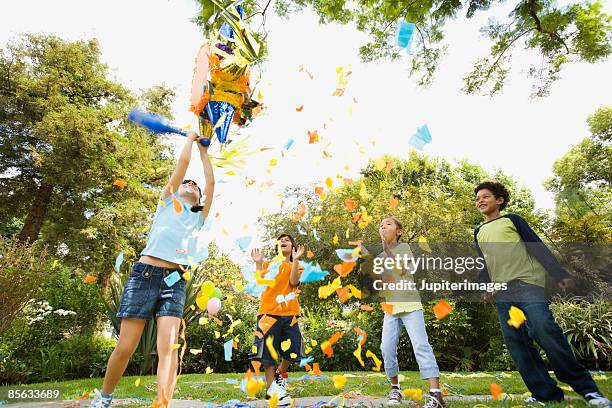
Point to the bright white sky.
(148, 42)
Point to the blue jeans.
(541, 327)
(414, 322)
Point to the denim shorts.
(147, 295)
(280, 331)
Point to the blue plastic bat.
(157, 124)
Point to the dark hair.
(398, 225)
(498, 190)
(195, 208)
(292, 244)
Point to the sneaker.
(101, 402)
(434, 400)
(532, 400)
(280, 379)
(395, 397)
(595, 398)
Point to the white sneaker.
(532, 400)
(101, 402)
(395, 397)
(596, 399)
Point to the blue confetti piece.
(118, 262)
(244, 242)
(289, 144)
(403, 36)
(301, 230)
(231, 381)
(171, 279)
(346, 255)
(420, 138)
(314, 234)
(312, 273)
(227, 349)
(306, 360)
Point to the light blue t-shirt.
(174, 236)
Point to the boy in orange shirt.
(277, 317)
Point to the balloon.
(207, 288)
(217, 294)
(202, 300)
(213, 306)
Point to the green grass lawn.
(213, 387)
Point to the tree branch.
(501, 54)
(538, 24)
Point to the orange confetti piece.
(316, 370)
(313, 137)
(89, 279)
(293, 321)
(496, 391)
(393, 202)
(178, 207)
(299, 108)
(338, 92)
(442, 309)
(258, 334)
(348, 181)
(350, 204)
(120, 183)
(307, 367)
(343, 294)
(326, 154)
(309, 254)
(344, 268)
(387, 308)
(265, 323)
(366, 308)
(362, 333)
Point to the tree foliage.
(64, 141)
(578, 31)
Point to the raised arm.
(209, 178)
(178, 175)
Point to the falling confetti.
(339, 381)
(517, 317)
(89, 279)
(442, 309)
(120, 183)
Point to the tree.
(64, 141)
(575, 32)
(582, 184)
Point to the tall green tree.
(578, 31)
(582, 184)
(64, 141)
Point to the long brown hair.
(292, 244)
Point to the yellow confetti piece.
(195, 352)
(187, 276)
(176, 346)
(293, 355)
(161, 202)
(307, 350)
(202, 321)
(254, 349)
(239, 285)
(209, 370)
(253, 386)
(339, 381)
(285, 344)
(363, 192)
(335, 239)
(357, 354)
(380, 164)
(347, 235)
(137, 382)
(225, 232)
(217, 334)
(192, 307)
(517, 317)
(326, 291)
(273, 162)
(271, 349)
(413, 393)
(376, 360)
(273, 401)
(313, 343)
(316, 219)
(329, 182)
(423, 244)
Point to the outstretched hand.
(256, 255)
(297, 252)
